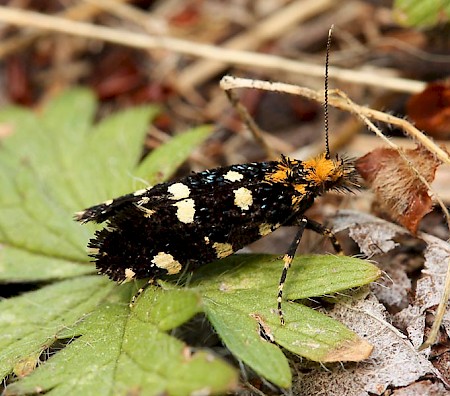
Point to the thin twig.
(77, 12)
(335, 100)
(342, 101)
(270, 28)
(402, 154)
(251, 124)
(440, 312)
(145, 20)
(227, 56)
(442, 307)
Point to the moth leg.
(322, 230)
(150, 282)
(319, 229)
(287, 258)
(250, 123)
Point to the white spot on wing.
(80, 215)
(167, 261)
(129, 275)
(243, 198)
(147, 212)
(140, 192)
(265, 229)
(185, 210)
(223, 249)
(233, 176)
(179, 191)
(143, 201)
(108, 202)
(206, 240)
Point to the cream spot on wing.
(223, 249)
(140, 192)
(186, 210)
(206, 240)
(265, 229)
(179, 191)
(147, 212)
(243, 198)
(144, 200)
(108, 202)
(129, 275)
(167, 261)
(80, 215)
(233, 176)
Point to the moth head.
(323, 173)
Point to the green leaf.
(134, 354)
(240, 333)
(29, 323)
(52, 165)
(110, 154)
(421, 13)
(39, 267)
(56, 163)
(240, 301)
(160, 164)
(36, 196)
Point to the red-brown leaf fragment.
(399, 191)
(430, 110)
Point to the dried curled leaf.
(400, 193)
(430, 110)
(373, 236)
(394, 363)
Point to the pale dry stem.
(77, 12)
(340, 100)
(226, 56)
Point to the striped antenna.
(325, 104)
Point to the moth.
(209, 215)
(212, 214)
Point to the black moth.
(211, 214)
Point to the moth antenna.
(325, 104)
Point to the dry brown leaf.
(393, 363)
(371, 233)
(399, 191)
(430, 110)
(374, 236)
(422, 388)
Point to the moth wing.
(105, 210)
(195, 185)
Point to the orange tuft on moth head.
(331, 174)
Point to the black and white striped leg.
(287, 258)
(322, 230)
(150, 282)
